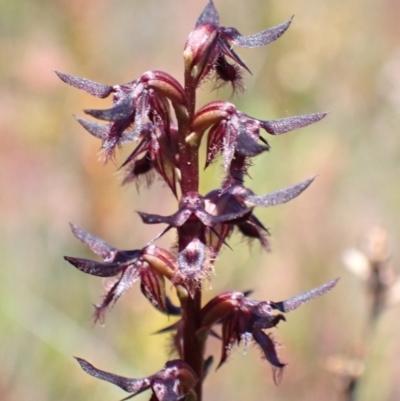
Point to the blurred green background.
(339, 56)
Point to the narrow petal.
(172, 310)
(229, 336)
(97, 245)
(117, 136)
(173, 327)
(163, 162)
(148, 218)
(221, 234)
(88, 86)
(277, 127)
(95, 268)
(226, 49)
(215, 141)
(142, 147)
(96, 129)
(175, 220)
(217, 236)
(229, 142)
(260, 39)
(207, 365)
(248, 147)
(152, 285)
(128, 278)
(278, 197)
(268, 348)
(209, 15)
(229, 217)
(103, 131)
(298, 300)
(120, 111)
(134, 386)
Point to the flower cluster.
(159, 114)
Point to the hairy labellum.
(228, 73)
(192, 260)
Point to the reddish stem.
(188, 150)
(193, 347)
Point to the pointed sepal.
(278, 197)
(133, 386)
(259, 39)
(91, 87)
(209, 15)
(283, 125)
(298, 300)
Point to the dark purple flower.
(236, 135)
(237, 198)
(151, 265)
(209, 44)
(172, 383)
(192, 221)
(140, 112)
(244, 319)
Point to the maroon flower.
(244, 319)
(174, 382)
(236, 135)
(141, 112)
(209, 44)
(151, 265)
(237, 198)
(191, 221)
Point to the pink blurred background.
(337, 56)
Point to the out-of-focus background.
(339, 56)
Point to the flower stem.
(193, 346)
(188, 148)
